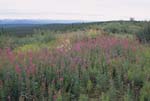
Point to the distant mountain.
(31, 21)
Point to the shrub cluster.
(144, 35)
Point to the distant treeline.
(130, 27)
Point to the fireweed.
(91, 66)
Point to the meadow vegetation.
(91, 62)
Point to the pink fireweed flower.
(55, 97)
(30, 56)
(61, 50)
(126, 44)
(10, 55)
(77, 60)
(17, 69)
(61, 79)
(78, 47)
(21, 55)
(21, 58)
(31, 69)
(133, 48)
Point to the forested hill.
(129, 27)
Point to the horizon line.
(81, 20)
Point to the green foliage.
(128, 95)
(136, 76)
(27, 42)
(145, 92)
(122, 27)
(28, 34)
(83, 97)
(105, 97)
(93, 67)
(144, 35)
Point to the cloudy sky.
(75, 9)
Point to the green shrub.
(145, 92)
(144, 35)
(83, 97)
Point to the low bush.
(144, 35)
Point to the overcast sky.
(75, 9)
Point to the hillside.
(99, 61)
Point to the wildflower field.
(86, 65)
